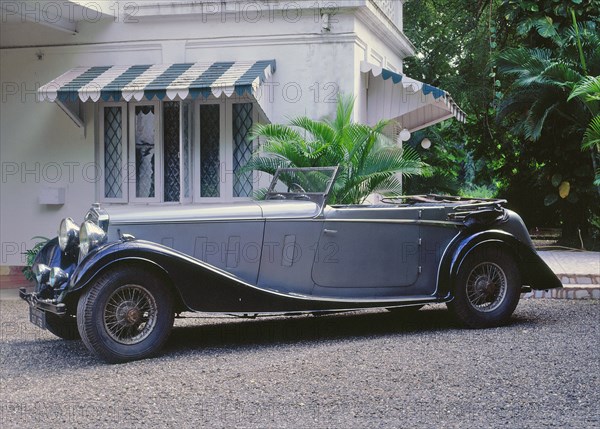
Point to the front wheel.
(487, 288)
(126, 314)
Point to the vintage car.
(119, 279)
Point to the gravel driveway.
(368, 369)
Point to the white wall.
(36, 139)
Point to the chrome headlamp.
(68, 235)
(90, 236)
(41, 272)
(57, 277)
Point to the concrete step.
(568, 291)
(579, 279)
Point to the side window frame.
(191, 111)
(100, 170)
(255, 145)
(158, 154)
(197, 176)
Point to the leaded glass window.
(145, 146)
(171, 112)
(146, 151)
(113, 152)
(242, 149)
(209, 150)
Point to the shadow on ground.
(194, 334)
(231, 333)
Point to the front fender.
(105, 256)
(201, 286)
(197, 283)
(533, 269)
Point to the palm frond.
(267, 164)
(587, 88)
(274, 131)
(318, 130)
(522, 62)
(561, 74)
(537, 115)
(591, 138)
(344, 110)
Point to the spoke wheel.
(125, 314)
(487, 288)
(130, 314)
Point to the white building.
(150, 102)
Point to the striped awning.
(414, 104)
(159, 81)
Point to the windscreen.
(315, 180)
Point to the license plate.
(37, 317)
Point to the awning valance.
(415, 105)
(161, 81)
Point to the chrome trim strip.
(169, 221)
(441, 223)
(401, 221)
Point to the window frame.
(226, 150)
(196, 186)
(158, 154)
(100, 149)
(191, 127)
(255, 145)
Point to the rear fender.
(534, 271)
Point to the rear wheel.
(487, 288)
(126, 314)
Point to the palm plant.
(540, 90)
(588, 90)
(368, 160)
(554, 91)
(542, 108)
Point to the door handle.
(329, 231)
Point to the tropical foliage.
(542, 107)
(588, 90)
(368, 160)
(30, 255)
(524, 74)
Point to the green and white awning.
(159, 81)
(415, 105)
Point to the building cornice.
(200, 43)
(389, 33)
(153, 8)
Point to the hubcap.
(130, 314)
(486, 287)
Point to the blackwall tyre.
(126, 314)
(487, 288)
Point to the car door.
(362, 248)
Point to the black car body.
(118, 280)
